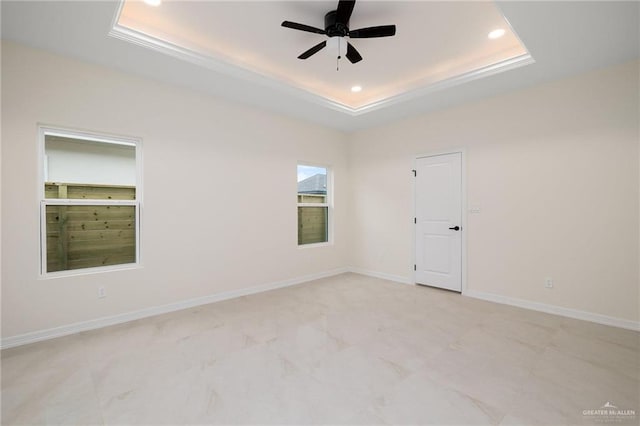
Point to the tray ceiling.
(565, 38)
(437, 45)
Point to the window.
(314, 204)
(90, 201)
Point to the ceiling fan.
(336, 24)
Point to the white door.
(439, 221)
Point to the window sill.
(89, 271)
(314, 245)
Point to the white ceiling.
(564, 38)
(434, 42)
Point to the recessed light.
(153, 2)
(356, 89)
(496, 34)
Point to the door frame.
(463, 213)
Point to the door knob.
(455, 228)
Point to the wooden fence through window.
(89, 235)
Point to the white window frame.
(44, 130)
(328, 205)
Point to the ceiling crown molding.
(229, 68)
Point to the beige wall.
(219, 191)
(554, 170)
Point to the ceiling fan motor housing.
(333, 28)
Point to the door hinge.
(414, 173)
(415, 220)
(414, 267)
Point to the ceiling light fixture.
(336, 47)
(153, 2)
(496, 33)
(356, 89)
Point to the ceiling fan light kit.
(336, 25)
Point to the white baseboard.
(382, 275)
(556, 310)
(521, 303)
(65, 330)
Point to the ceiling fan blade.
(344, 10)
(302, 27)
(315, 49)
(352, 54)
(371, 32)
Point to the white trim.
(43, 131)
(90, 271)
(89, 136)
(381, 275)
(313, 204)
(464, 224)
(463, 213)
(556, 310)
(87, 202)
(65, 330)
(219, 65)
(328, 204)
(520, 303)
(513, 30)
(239, 70)
(314, 245)
(506, 65)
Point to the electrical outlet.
(548, 283)
(102, 292)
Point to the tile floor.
(343, 350)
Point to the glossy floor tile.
(342, 350)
